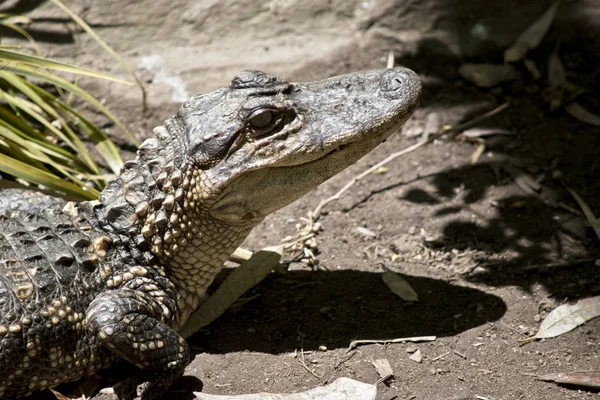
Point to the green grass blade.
(9, 117)
(27, 172)
(79, 21)
(7, 55)
(71, 117)
(103, 144)
(74, 89)
(40, 150)
(35, 111)
(23, 33)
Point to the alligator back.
(48, 278)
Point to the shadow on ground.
(310, 309)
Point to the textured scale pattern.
(85, 284)
(47, 261)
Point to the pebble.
(324, 310)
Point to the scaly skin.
(85, 284)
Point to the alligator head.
(231, 157)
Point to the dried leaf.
(577, 111)
(594, 222)
(383, 368)
(381, 171)
(399, 286)
(532, 68)
(487, 75)
(477, 153)
(583, 378)
(532, 36)
(483, 132)
(556, 72)
(58, 395)
(341, 388)
(244, 277)
(527, 183)
(568, 317)
(240, 255)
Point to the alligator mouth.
(369, 142)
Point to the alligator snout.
(399, 83)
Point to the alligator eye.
(264, 120)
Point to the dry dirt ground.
(488, 257)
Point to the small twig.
(346, 359)
(309, 370)
(317, 211)
(461, 355)
(479, 119)
(303, 363)
(356, 343)
(509, 327)
(563, 264)
(441, 356)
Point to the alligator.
(83, 285)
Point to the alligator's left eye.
(263, 120)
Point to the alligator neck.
(160, 203)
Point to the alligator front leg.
(128, 323)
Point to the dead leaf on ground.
(341, 388)
(561, 91)
(556, 73)
(532, 36)
(567, 317)
(244, 277)
(581, 378)
(477, 153)
(383, 368)
(594, 222)
(58, 395)
(483, 132)
(399, 286)
(487, 75)
(577, 111)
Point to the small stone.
(324, 310)
(416, 356)
(537, 317)
(412, 230)
(366, 233)
(322, 348)
(487, 75)
(411, 349)
(251, 330)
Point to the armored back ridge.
(82, 285)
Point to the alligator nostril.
(393, 83)
(397, 83)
